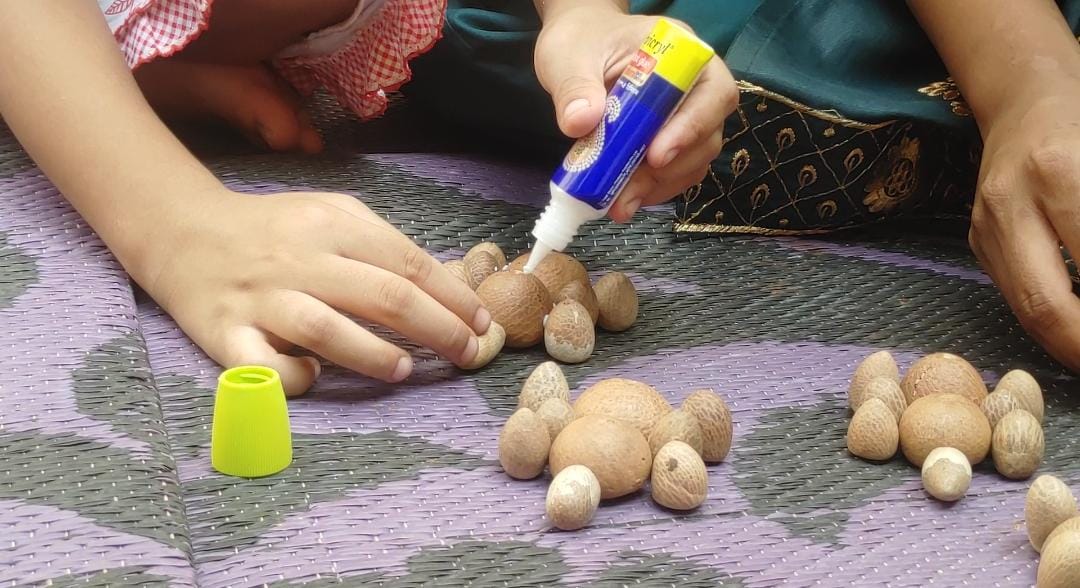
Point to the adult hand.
(1028, 202)
(582, 49)
(251, 277)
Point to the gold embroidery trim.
(948, 91)
(827, 115)
(784, 138)
(748, 230)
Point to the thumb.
(579, 97)
(249, 347)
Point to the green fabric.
(865, 59)
(852, 93)
(480, 74)
(717, 22)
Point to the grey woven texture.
(106, 406)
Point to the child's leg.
(251, 98)
(223, 75)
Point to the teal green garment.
(858, 57)
(480, 74)
(847, 115)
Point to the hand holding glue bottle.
(598, 166)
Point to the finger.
(414, 264)
(249, 346)
(577, 89)
(702, 113)
(380, 245)
(642, 183)
(311, 324)
(1037, 287)
(648, 187)
(666, 190)
(310, 140)
(380, 296)
(687, 167)
(1059, 171)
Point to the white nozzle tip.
(539, 252)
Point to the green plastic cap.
(250, 436)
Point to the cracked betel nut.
(1059, 566)
(679, 479)
(583, 294)
(635, 403)
(617, 453)
(555, 271)
(524, 445)
(1026, 390)
(618, 301)
(877, 365)
(998, 404)
(1049, 503)
(944, 420)
(545, 381)
(556, 414)
(518, 302)
(888, 391)
(479, 267)
(569, 335)
(873, 433)
(946, 474)
(489, 346)
(491, 249)
(677, 425)
(939, 373)
(572, 498)
(714, 417)
(1018, 445)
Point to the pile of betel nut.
(554, 304)
(942, 418)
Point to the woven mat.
(106, 407)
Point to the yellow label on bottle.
(679, 55)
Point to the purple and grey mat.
(105, 412)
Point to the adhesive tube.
(598, 166)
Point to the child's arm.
(246, 277)
(585, 45)
(72, 102)
(1018, 66)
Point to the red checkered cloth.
(151, 29)
(359, 74)
(376, 61)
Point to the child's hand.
(253, 276)
(582, 49)
(1028, 201)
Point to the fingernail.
(481, 321)
(575, 106)
(631, 207)
(315, 366)
(669, 156)
(403, 369)
(471, 349)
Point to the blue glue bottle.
(598, 166)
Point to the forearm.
(74, 106)
(548, 9)
(1000, 52)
